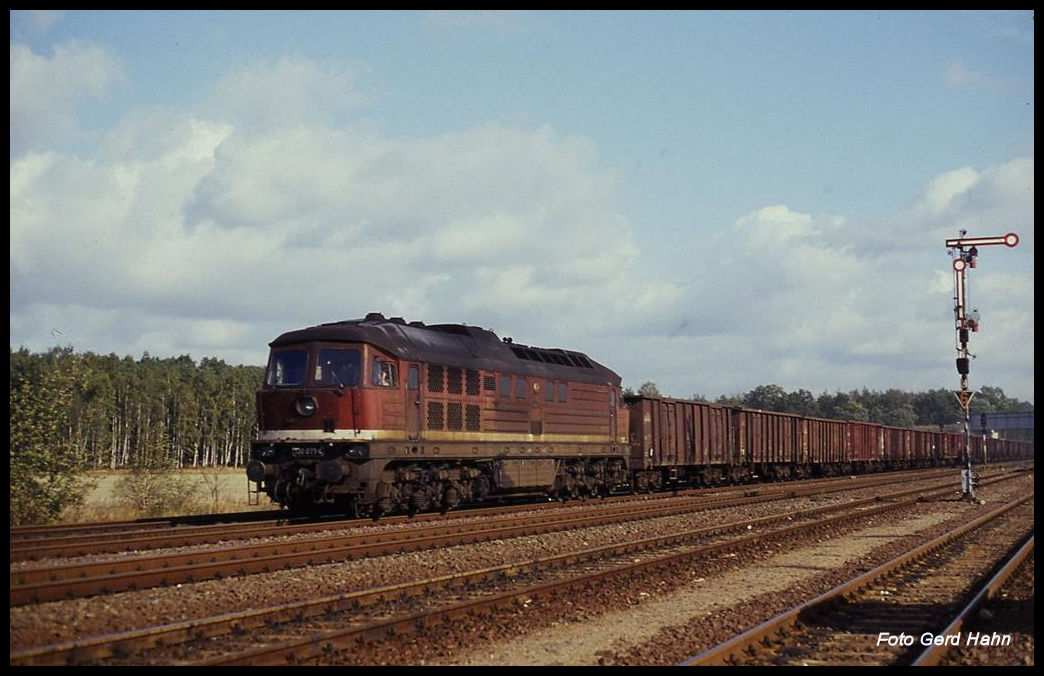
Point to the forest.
(111, 412)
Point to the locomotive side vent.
(435, 415)
(453, 380)
(472, 382)
(434, 378)
(471, 418)
(454, 419)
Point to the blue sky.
(706, 200)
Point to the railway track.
(29, 534)
(342, 621)
(1017, 564)
(1004, 609)
(70, 579)
(66, 541)
(906, 611)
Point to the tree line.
(934, 408)
(74, 412)
(117, 412)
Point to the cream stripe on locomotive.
(430, 436)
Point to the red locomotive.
(378, 415)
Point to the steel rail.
(935, 653)
(721, 654)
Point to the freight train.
(378, 415)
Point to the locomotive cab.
(311, 386)
(319, 408)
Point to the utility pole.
(965, 251)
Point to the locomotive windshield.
(287, 367)
(334, 367)
(338, 367)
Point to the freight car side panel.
(640, 434)
(771, 438)
(700, 434)
(714, 435)
(1008, 449)
(678, 433)
(896, 446)
(826, 441)
(865, 441)
(952, 447)
(922, 446)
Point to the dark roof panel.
(455, 345)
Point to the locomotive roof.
(455, 345)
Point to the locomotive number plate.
(306, 452)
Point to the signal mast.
(964, 251)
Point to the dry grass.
(212, 490)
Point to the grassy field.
(119, 495)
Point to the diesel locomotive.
(379, 415)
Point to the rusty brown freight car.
(677, 441)
(865, 445)
(825, 445)
(951, 448)
(785, 445)
(922, 448)
(897, 447)
(998, 450)
(771, 442)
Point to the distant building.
(1005, 425)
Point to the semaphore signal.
(965, 252)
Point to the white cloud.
(815, 302)
(775, 225)
(993, 201)
(46, 92)
(294, 90)
(210, 220)
(943, 193)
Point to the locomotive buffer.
(965, 251)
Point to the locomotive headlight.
(305, 406)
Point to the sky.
(708, 201)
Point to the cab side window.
(384, 373)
